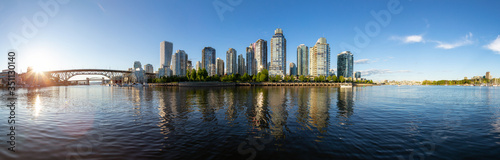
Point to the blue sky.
(424, 39)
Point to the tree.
(193, 75)
(245, 78)
(334, 78)
(286, 78)
(264, 75)
(276, 78)
(321, 78)
(292, 78)
(341, 78)
(302, 78)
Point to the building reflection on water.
(279, 113)
(318, 108)
(345, 103)
(259, 113)
(263, 109)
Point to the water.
(381, 122)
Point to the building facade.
(166, 50)
(357, 75)
(319, 58)
(293, 69)
(208, 60)
(250, 64)
(345, 64)
(332, 72)
(241, 65)
(189, 65)
(179, 63)
(260, 54)
(220, 67)
(278, 54)
(198, 65)
(149, 68)
(231, 64)
(302, 60)
(137, 75)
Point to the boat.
(345, 86)
(138, 85)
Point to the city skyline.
(415, 43)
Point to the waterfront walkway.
(223, 84)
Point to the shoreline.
(231, 84)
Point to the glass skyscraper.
(357, 75)
(278, 54)
(220, 67)
(179, 63)
(241, 65)
(260, 53)
(319, 58)
(231, 64)
(250, 61)
(166, 51)
(208, 60)
(165, 54)
(302, 60)
(293, 69)
(345, 64)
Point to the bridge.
(65, 75)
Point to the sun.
(36, 70)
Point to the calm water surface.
(381, 122)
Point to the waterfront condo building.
(179, 63)
(278, 54)
(345, 64)
(220, 67)
(198, 65)
(293, 69)
(488, 76)
(319, 58)
(231, 65)
(208, 60)
(149, 68)
(241, 65)
(166, 50)
(332, 72)
(250, 64)
(189, 65)
(302, 60)
(260, 54)
(357, 75)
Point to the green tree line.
(202, 76)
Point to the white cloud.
(413, 39)
(465, 41)
(362, 61)
(495, 45)
(443, 45)
(372, 72)
(409, 39)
